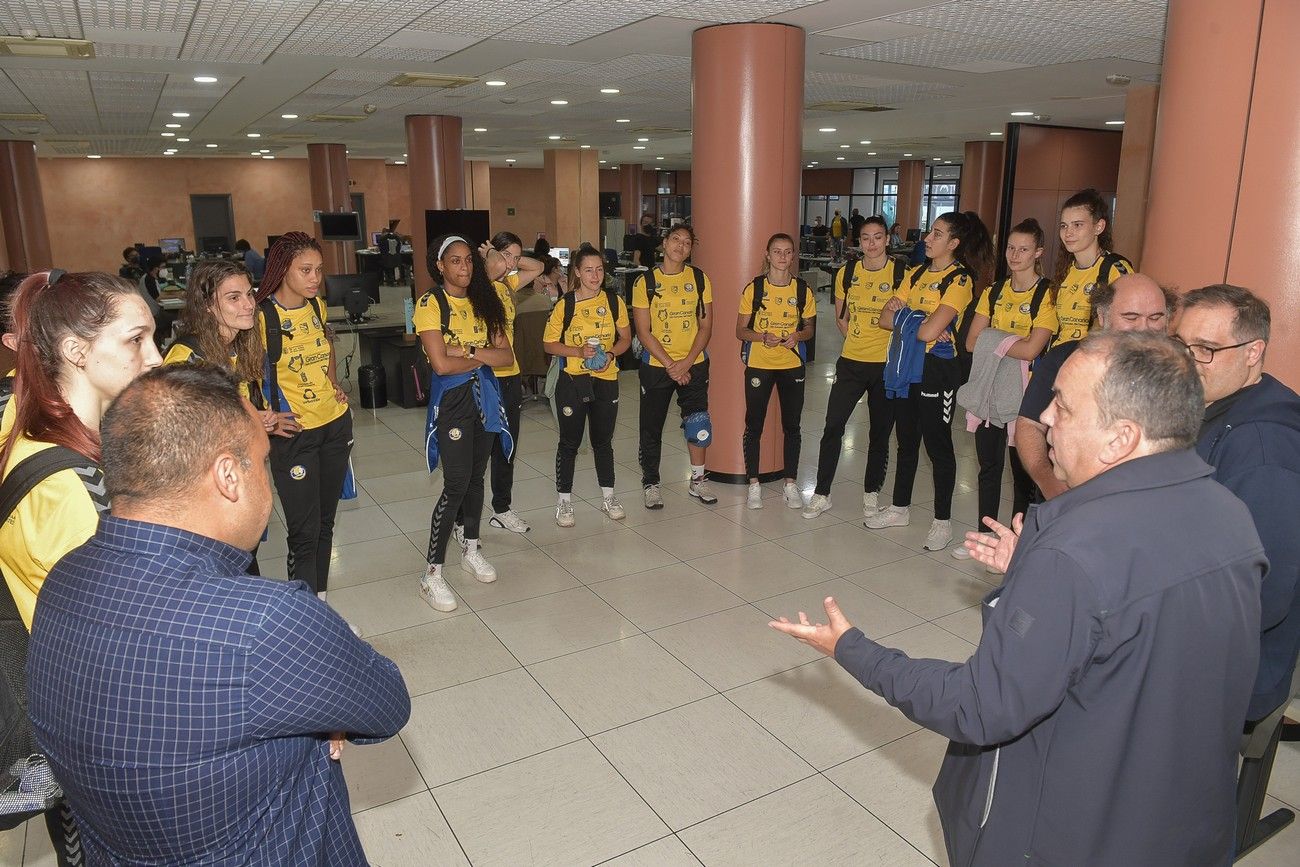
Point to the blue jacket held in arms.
(905, 363)
(487, 394)
(1252, 439)
(1099, 719)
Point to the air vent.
(20, 117)
(663, 129)
(428, 79)
(847, 105)
(336, 118)
(45, 46)
(292, 136)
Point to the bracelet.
(469, 352)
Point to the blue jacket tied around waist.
(487, 394)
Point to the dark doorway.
(214, 223)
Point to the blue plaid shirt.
(184, 705)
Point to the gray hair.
(1252, 318)
(1150, 380)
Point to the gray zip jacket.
(1098, 721)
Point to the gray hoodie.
(997, 382)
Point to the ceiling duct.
(847, 105)
(429, 79)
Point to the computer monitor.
(150, 256)
(340, 227)
(561, 253)
(913, 235)
(374, 238)
(337, 286)
(212, 244)
(172, 246)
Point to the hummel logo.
(923, 394)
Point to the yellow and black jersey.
(867, 294)
(591, 318)
(303, 369)
(506, 288)
(1014, 309)
(465, 329)
(1074, 296)
(778, 314)
(675, 308)
(925, 290)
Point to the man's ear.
(1255, 353)
(1125, 438)
(228, 476)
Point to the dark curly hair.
(483, 297)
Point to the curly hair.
(199, 320)
(483, 297)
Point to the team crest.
(689, 287)
(315, 321)
(453, 434)
(286, 325)
(754, 381)
(1088, 290)
(297, 472)
(1024, 308)
(568, 410)
(601, 311)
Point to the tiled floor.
(616, 696)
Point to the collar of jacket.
(1152, 471)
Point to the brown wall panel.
(827, 182)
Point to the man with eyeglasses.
(1251, 436)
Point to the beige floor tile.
(39, 852)
(377, 441)
(810, 822)
(699, 760)
(609, 556)
(403, 486)
(407, 832)
(588, 521)
(676, 505)
(733, 647)
(728, 494)
(876, 617)
(520, 575)
(844, 548)
(535, 493)
(618, 683)
(463, 730)
(363, 525)
(775, 520)
(411, 516)
(379, 773)
(564, 807)
(1284, 784)
(698, 535)
(384, 606)
(664, 596)
(445, 653)
(363, 562)
(374, 466)
(760, 570)
(967, 624)
(666, 852)
(12, 842)
(927, 641)
(557, 624)
(923, 586)
(821, 712)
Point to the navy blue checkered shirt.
(184, 705)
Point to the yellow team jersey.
(55, 517)
(868, 293)
(466, 328)
(303, 369)
(591, 318)
(1074, 297)
(921, 291)
(1013, 309)
(776, 316)
(673, 319)
(506, 287)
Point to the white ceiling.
(951, 70)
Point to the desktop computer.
(172, 246)
(353, 292)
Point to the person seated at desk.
(130, 269)
(895, 236)
(821, 235)
(255, 264)
(390, 257)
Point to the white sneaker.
(564, 514)
(435, 591)
(701, 490)
(654, 498)
(793, 499)
(458, 533)
(509, 520)
(817, 505)
(355, 629)
(939, 536)
(894, 516)
(960, 552)
(477, 565)
(754, 499)
(612, 507)
(870, 503)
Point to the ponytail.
(1098, 209)
(974, 246)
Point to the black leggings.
(926, 414)
(758, 394)
(657, 390)
(464, 447)
(991, 447)
(600, 414)
(503, 469)
(852, 380)
(308, 469)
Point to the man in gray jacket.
(1098, 721)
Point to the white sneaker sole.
(495, 522)
(710, 501)
(479, 577)
(438, 606)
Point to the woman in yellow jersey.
(1083, 262)
(309, 465)
(861, 366)
(925, 315)
(462, 326)
(1018, 307)
(673, 308)
(772, 328)
(589, 329)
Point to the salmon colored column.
(746, 159)
(435, 167)
(1140, 105)
(981, 181)
(1225, 196)
(22, 208)
(911, 180)
(629, 194)
(327, 168)
(478, 185)
(572, 179)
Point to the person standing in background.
(255, 264)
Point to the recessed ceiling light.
(93, 156)
(616, 168)
(843, 146)
(907, 155)
(865, 141)
(814, 162)
(495, 83)
(180, 114)
(609, 90)
(254, 135)
(559, 102)
(256, 153)
(839, 158)
(480, 129)
(210, 146)
(169, 153)
(826, 129)
(871, 153)
(658, 158)
(1114, 123)
(643, 139)
(182, 139)
(204, 79)
(289, 116)
(995, 133)
(264, 151)
(168, 134)
(509, 160)
(602, 162)
(268, 156)
(947, 162)
(172, 125)
(638, 147)
(936, 159)
(554, 137)
(623, 120)
(399, 162)
(1022, 114)
(808, 166)
(585, 147)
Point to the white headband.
(448, 241)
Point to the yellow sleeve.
(640, 298)
(810, 305)
(707, 290)
(839, 283)
(621, 320)
(428, 317)
(511, 281)
(551, 334)
(178, 354)
(1046, 317)
(55, 517)
(957, 295)
(982, 308)
(747, 299)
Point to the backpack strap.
(900, 272)
(699, 292)
(757, 301)
(444, 309)
(801, 298)
(1110, 262)
(274, 339)
(994, 292)
(651, 287)
(570, 303)
(34, 469)
(1036, 303)
(846, 280)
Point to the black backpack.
(846, 280)
(652, 289)
(191, 342)
(960, 325)
(1110, 262)
(800, 299)
(1035, 303)
(274, 339)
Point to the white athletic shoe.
(653, 497)
(509, 520)
(959, 551)
(817, 505)
(435, 591)
(754, 499)
(793, 499)
(870, 503)
(458, 533)
(894, 516)
(612, 507)
(564, 514)
(701, 490)
(477, 565)
(939, 536)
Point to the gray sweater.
(996, 384)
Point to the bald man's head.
(1133, 302)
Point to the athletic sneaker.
(960, 553)
(509, 520)
(356, 630)
(939, 536)
(435, 591)
(564, 513)
(754, 499)
(870, 503)
(612, 507)
(817, 505)
(701, 490)
(653, 498)
(894, 516)
(458, 533)
(477, 565)
(793, 499)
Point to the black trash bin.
(374, 386)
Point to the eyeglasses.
(1203, 354)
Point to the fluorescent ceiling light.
(623, 120)
(1022, 114)
(180, 114)
(172, 125)
(559, 102)
(182, 139)
(554, 137)
(609, 90)
(995, 133)
(638, 147)
(210, 145)
(826, 129)
(168, 134)
(254, 135)
(93, 156)
(480, 129)
(865, 141)
(1114, 123)
(643, 139)
(204, 79)
(289, 116)
(495, 83)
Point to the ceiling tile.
(47, 17)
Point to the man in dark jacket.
(1099, 719)
(1251, 436)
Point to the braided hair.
(279, 259)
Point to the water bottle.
(600, 359)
